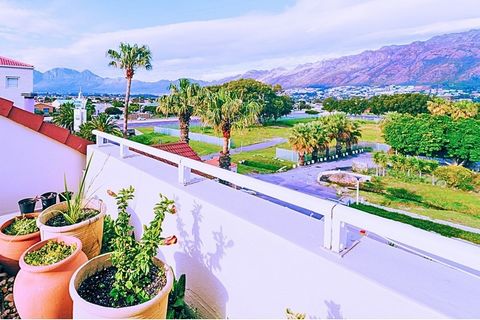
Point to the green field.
(150, 138)
(444, 230)
(261, 161)
(371, 131)
(436, 202)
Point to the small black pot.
(62, 196)
(27, 205)
(48, 199)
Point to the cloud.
(308, 31)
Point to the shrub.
(456, 176)
(113, 111)
(52, 252)
(311, 111)
(375, 185)
(402, 193)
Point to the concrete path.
(252, 147)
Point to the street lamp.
(358, 188)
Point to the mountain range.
(442, 60)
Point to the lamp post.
(358, 189)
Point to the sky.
(213, 39)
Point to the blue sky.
(207, 39)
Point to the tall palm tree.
(301, 140)
(352, 133)
(225, 110)
(319, 137)
(183, 100)
(102, 122)
(129, 58)
(64, 116)
(336, 127)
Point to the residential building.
(46, 108)
(16, 83)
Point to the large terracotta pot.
(90, 231)
(42, 291)
(156, 308)
(12, 247)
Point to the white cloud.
(308, 31)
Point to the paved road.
(169, 122)
(304, 179)
(252, 147)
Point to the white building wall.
(25, 84)
(246, 257)
(32, 164)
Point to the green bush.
(375, 185)
(311, 111)
(457, 177)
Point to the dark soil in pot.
(27, 205)
(60, 221)
(96, 288)
(48, 199)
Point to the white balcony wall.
(246, 257)
(32, 164)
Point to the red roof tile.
(181, 148)
(4, 61)
(35, 122)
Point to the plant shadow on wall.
(206, 263)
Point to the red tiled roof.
(4, 61)
(181, 148)
(216, 162)
(35, 122)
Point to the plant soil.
(96, 288)
(60, 221)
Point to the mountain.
(442, 60)
(69, 81)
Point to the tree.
(225, 110)
(352, 134)
(129, 58)
(273, 103)
(319, 138)
(113, 111)
(463, 141)
(302, 141)
(183, 100)
(90, 107)
(64, 116)
(336, 125)
(455, 110)
(102, 122)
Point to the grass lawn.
(436, 202)
(261, 161)
(145, 129)
(150, 138)
(371, 131)
(444, 230)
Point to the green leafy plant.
(21, 226)
(108, 234)
(52, 252)
(294, 315)
(76, 210)
(133, 259)
(177, 307)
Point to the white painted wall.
(246, 257)
(25, 84)
(32, 164)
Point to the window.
(12, 82)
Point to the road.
(252, 147)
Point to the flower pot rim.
(100, 206)
(50, 267)
(130, 309)
(25, 200)
(14, 238)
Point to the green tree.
(455, 110)
(113, 111)
(225, 110)
(183, 101)
(102, 122)
(463, 141)
(129, 58)
(63, 116)
(302, 141)
(319, 138)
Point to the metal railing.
(336, 216)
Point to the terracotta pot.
(90, 231)
(42, 291)
(12, 247)
(156, 308)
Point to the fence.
(291, 155)
(375, 146)
(193, 136)
(336, 216)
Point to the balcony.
(245, 256)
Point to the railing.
(335, 215)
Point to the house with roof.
(16, 82)
(45, 108)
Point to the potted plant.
(129, 282)
(17, 235)
(48, 199)
(78, 216)
(27, 205)
(41, 286)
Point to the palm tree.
(129, 58)
(336, 127)
(352, 134)
(183, 100)
(302, 141)
(64, 116)
(224, 111)
(319, 139)
(102, 122)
